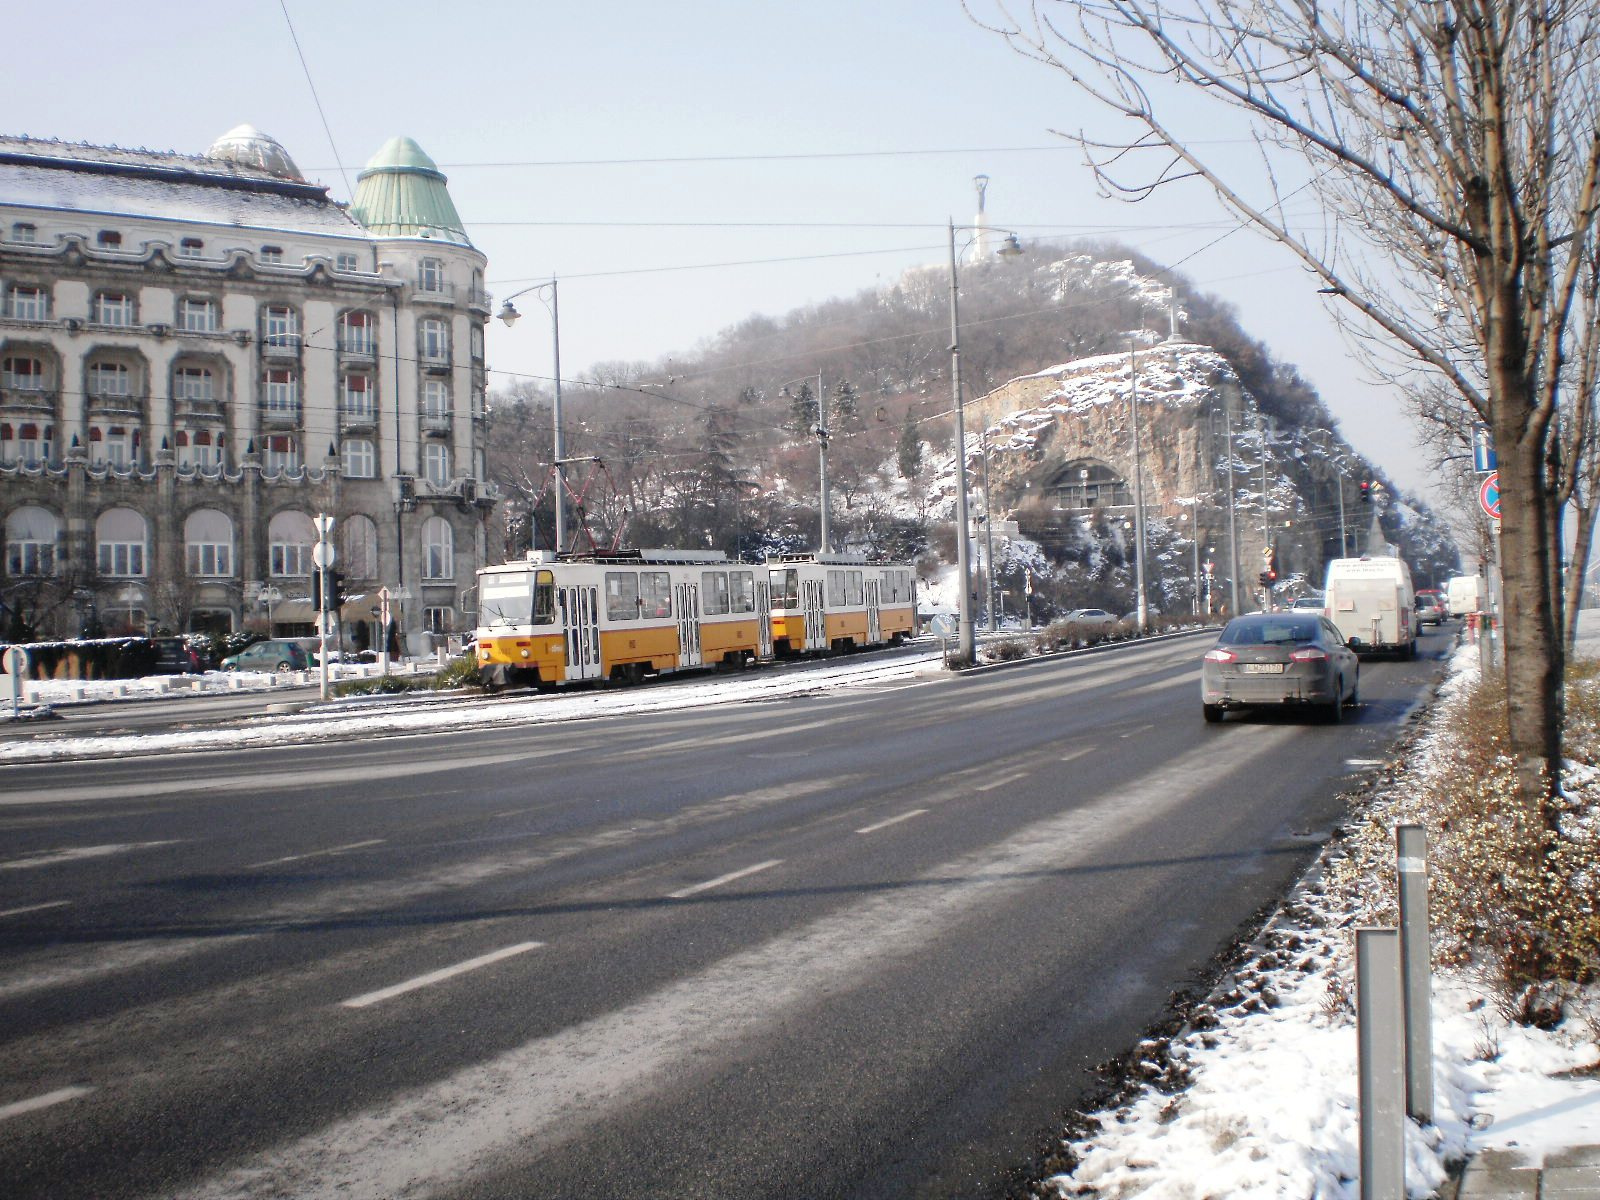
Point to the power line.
(316, 99)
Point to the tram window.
(785, 588)
(742, 591)
(544, 599)
(714, 593)
(854, 592)
(655, 593)
(622, 596)
(505, 601)
(836, 593)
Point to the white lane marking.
(683, 893)
(905, 816)
(49, 858)
(48, 1100)
(1136, 732)
(1363, 762)
(1002, 781)
(443, 973)
(1076, 754)
(289, 858)
(28, 908)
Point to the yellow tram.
(622, 615)
(832, 602)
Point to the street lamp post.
(509, 314)
(1142, 608)
(1230, 390)
(967, 638)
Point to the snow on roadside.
(1257, 1096)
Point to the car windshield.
(1282, 630)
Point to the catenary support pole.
(1411, 854)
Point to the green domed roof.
(402, 193)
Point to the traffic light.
(336, 596)
(1266, 579)
(316, 591)
(1366, 492)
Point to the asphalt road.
(862, 943)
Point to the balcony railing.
(439, 293)
(365, 348)
(436, 422)
(31, 398)
(281, 416)
(479, 299)
(357, 416)
(115, 402)
(280, 345)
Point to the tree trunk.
(1572, 596)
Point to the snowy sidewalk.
(1505, 1175)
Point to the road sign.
(323, 554)
(1489, 495)
(1483, 455)
(15, 660)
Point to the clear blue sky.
(559, 85)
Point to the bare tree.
(1454, 149)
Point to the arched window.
(358, 548)
(31, 537)
(289, 539)
(438, 549)
(120, 536)
(208, 543)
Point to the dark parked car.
(175, 656)
(1277, 659)
(273, 655)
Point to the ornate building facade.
(200, 353)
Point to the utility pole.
(988, 531)
(1142, 608)
(1228, 392)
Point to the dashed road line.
(1003, 781)
(289, 858)
(684, 893)
(368, 999)
(50, 858)
(48, 1100)
(905, 816)
(28, 908)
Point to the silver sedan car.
(1278, 659)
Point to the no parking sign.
(1489, 495)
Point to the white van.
(1466, 594)
(1372, 602)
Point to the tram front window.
(518, 600)
(785, 588)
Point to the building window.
(346, 262)
(108, 239)
(112, 446)
(194, 383)
(197, 315)
(435, 398)
(430, 275)
(22, 373)
(475, 340)
(438, 549)
(436, 464)
(25, 302)
(110, 379)
(24, 232)
(439, 621)
(119, 536)
(112, 308)
(358, 460)
(201, 449)
(281, 327)
(358, 398)
(283, 455)
(31, 446)
(283, 392)
(358, 542)
(31, 537)
(289, 539)
(355, 333)
(434, 340)
(272, 254)
(190, 247)
(208, 543)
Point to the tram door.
(816, 616)
(580, 607)
(874, 621)
(688, 598)
(763, 616)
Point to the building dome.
(249, 147)
(402, 193)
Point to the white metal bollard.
(1380, 1040)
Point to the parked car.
(272, 655)
(1092, 623)
(175, 656)
(1430, 607)
(1278, 659)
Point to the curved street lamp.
(967, 639)
(509, 315)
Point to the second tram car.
(549, 620)
(826, 602)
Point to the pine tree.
(803, 411)
(846, 410)
(909, 454)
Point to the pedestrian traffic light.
(1366, 492)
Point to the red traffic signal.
(1366, 492)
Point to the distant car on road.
(175, 656)
(1430, 607)
(1278, 659)
(1092, 622)
(1307, 604)
(271, 655)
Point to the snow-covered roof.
(107, 180)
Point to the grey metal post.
(1141, 609)
(1233, 520)
(824, 542)
(988, 533)
(968, 636)
(1344, 549)
(556, 448)
(1381, 1070)
(1411, 853)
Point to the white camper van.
(1466, 594)
(1372, 602)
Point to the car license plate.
(1261, 668)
